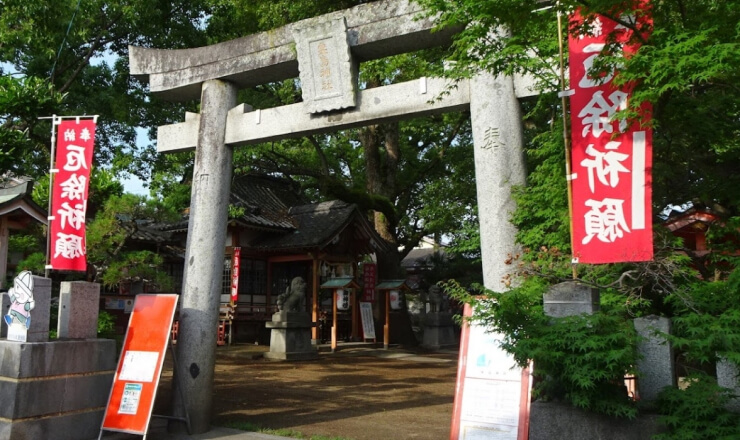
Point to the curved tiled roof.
(275, 205)
(266, 201)
(17, 204)
(318, 225)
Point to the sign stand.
(176, 371)
(368, 325)
(492, 395)
(135, 383)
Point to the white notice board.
(492, 393)
(368, 325)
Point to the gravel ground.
(359, 392)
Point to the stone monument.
(656, 368)
(290, 337)
(727, 377)
(439, 328)
(53, 390)
(570, 298)
(79, 303)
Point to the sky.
(133, 184)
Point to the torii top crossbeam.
(374, 30)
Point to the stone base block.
(54, 390)
(439, 331)
(290, 337)
(85, 425)
(553, 420)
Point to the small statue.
(293, 300)
(21, 300)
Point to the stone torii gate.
(324, 53)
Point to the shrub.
(580, 359)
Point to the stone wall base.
(551, 420)
(54, 390)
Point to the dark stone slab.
(54, 390)
(569, 299)
(76, 426)
(550, 421)
(39, 359)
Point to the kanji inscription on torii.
(327, 72)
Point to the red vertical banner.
(369, 280)
(75, 142)
(235, 274)
(611, 159)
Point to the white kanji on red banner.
(75, 139)
(610, 158)
(235, 275)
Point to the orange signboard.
(135, 384)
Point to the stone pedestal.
(439, 331)
(290, 338)
(655, 369)
(727, 377)
(78, 310)
(570, 299)
(55, 390)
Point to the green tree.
(687, 67)
(69, 58)
(112, 261)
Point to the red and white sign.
(492, 394)
(369, 280)
(611, 159)
(135, 384)
(235, 275)
(75, 142)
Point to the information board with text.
(492, 393)
(139, 368)
(368, 325)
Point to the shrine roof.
(16, 203)
(319, 225)
(266, 201)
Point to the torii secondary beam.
(406, 100)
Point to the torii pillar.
(498, 141)
(204, 259)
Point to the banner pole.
(566, 138)
(47, 266)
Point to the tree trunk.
(381, 172)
